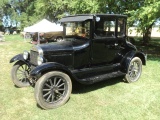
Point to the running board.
(99, 78)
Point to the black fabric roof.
(76, 18)
(83, 17)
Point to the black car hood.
(57, 47)
(64, 46)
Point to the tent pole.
(38, 38)
(24, 36)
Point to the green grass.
(108, 100)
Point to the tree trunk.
(147, 35)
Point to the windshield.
(77, 29)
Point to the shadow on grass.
(153, 58)
(40, 107)
(80, 88)
(152, 49)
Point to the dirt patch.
(3, 43)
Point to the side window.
(105, 28)
(121, 27)
(109, 27)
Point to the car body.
(94, 49)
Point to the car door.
(109, 37)
(114, 47)
(99, 52)
(104, 37)
(117, 44)
(105, 51)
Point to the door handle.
(116, 44)
(112, 45)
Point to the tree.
(18, 11)
(56, 9)
(24, 12)
(83, 6)
(146, 16)
(3, 5)
(52, 9)
(3, 10)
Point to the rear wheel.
(53, 89)
(19, 74)
(134, 70)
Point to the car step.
(94, 79)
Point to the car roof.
(83, 17)
(114, 15)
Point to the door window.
(105, 28)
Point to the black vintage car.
(94, 49)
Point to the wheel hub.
(134, 69)
(26, 74)
(54, 89)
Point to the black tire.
(59, 39)
(134, 70)
(53, 89)
(19, 74)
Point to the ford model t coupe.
(94, 49)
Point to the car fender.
(17, 58)
(47, 67)
(129, 56)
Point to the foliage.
(51, 9)
(83, 6)
(19, 11)
(3, 5)
(26, 9)
(54, 10)
(4, 9)
(145, 16)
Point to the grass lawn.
(108, 100)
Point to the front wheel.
(19, 74)
(134, 70)
(53, 89)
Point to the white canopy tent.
(44, 26)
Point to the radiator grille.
(33, 57)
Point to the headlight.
(25, 55)
(40, 60)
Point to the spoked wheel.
(134, 70)
(19, 74)
(53, 89)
